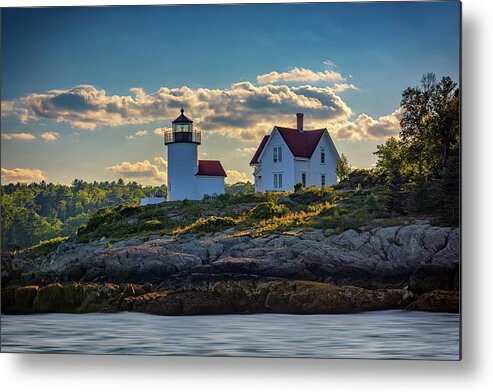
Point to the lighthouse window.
(277, 154)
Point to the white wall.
(182, 167)
(269, 167)
(209, 185)
(292, 168)
(316, 168)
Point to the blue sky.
(238, 70)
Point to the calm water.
(382, 334)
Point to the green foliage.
(209, 225)
(46, 246)
(35, 212)
(341, 222)
(421, 170)
(343, 168)
(312, 194)
(239, 188)
(298, 186)
(366, 178)
(267, 210)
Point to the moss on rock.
(437, 301)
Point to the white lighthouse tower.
(188, 177)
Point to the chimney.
(299, 121)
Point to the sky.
(87, 92)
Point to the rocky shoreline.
(309, 271)
(295, 297)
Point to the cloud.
(160, 131)
(341, 87)
(143, 171)
(246, 151)
(302, 75)
(160, 161)
(18, 136)
(365, 127)
(7, 108)
(243, 111)
(329, 63)
(22, 175)
(235, 176)
(49, 136)
(137, 134)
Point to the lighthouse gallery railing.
(183, 137)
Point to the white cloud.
(365, 127)
(18, 136)
(302, 75)
(50, 136)
(160, 131)
(137, 134)
(22, 175)
(341, 87)
(329, 63)
(160, 161)
(243, 111)
(143, 171)
(235, 176)
(246, 151)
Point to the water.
(382, 334)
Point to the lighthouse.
(188, 177)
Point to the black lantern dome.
(182, 131)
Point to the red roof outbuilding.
(211, 168)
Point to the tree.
(390, 165)
(343, 168)
(430, 124)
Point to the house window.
(322, 156)
(303, 179)
(277, 154)
(322, 179)
(277, 180)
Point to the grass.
(45, 247)
(249, 214)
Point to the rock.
(214, 251)
(390, 257)
(312, 298)
(70, 297)
(437, 301)
(24, 298)
(277, 297)
(49, 299)
(429, 277)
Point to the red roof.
(259, 150)
(301, 143)
(211, 168)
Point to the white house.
(188, 177)
(288, 156)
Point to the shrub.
(312, 194)
(341, 222)
(152, 224)
(372, 205)
(268, 210)
(46, 246)
(210, 225)
(298, 186)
